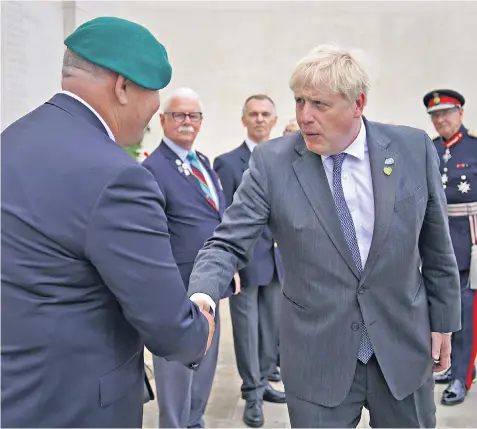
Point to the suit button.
(355, 326)
(275, 244)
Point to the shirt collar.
(179, 151)
(250, 144)
(358, 148)
(78, 98)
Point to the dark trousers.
(370, 390)
(182, 394)
(254, 314)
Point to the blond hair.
(337, 69)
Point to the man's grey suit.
(324, 299)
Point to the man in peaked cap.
(88, 276)
(457, 149)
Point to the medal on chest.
(445, 178)
(448, 144)
(463, 186)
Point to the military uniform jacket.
(458, 166)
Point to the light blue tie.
(347, 226)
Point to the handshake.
(204, 308)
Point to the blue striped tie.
(347, 226)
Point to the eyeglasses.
(181, 116)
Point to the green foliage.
(135, 149)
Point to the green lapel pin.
(388, 166)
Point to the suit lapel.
(384, 189)
(245, 155)
(175, 160)
(312, 177)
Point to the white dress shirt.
(77, 97)
(250, 144)
(358, 189)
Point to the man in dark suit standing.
(254, 311)
(88, 274)
(194, 204)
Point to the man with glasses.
(457, 149)
(194, 203)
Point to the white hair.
(337, 68)
(184, 94)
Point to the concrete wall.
(228, 50)
(31, 55)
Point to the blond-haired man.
(355, 206)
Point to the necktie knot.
(191, 156)
(338, 160)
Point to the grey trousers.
(182, 394)
(254, 313)
(369, 389)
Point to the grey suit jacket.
(324, 299)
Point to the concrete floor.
(225, 406)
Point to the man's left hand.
(441, 351)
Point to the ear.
(121, 88)
(162, 117)
(243, 121)
(359, 107)
(274, 122)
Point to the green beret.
(124, 47)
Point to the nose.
(306, 116)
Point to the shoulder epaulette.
(472, 133)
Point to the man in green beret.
(88, 276)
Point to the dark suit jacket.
(463, 162)
(87, 275)
(266, 261)
(191, 220)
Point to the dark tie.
(347, 226)
(197, 171)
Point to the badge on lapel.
(388, 166)
(182, 167)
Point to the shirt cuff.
(206, 298)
